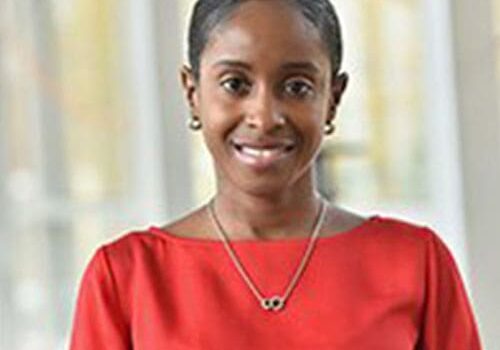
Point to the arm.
(448, 321)
(99, 321)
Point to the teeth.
(259, 153)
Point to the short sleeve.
(448, 322)
(99, 321)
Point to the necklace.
(277, 302)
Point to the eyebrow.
(306, 66)
(299, 65)
(233, 63)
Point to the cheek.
(217, 126)
(217, 115)
(312, 112)
(214, 102)
(310, 121)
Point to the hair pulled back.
(208, 14)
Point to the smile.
(261, 156)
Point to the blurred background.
(94, 143)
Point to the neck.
(284, 214)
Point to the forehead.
(266, 33)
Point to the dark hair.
(207, 14)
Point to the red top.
(385, 285)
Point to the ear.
(339, 85)
(190, 87)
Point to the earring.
(329, 128)
(195, 123)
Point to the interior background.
(94, 143)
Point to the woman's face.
(264, 95)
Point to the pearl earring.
(195, 123)
(329, 128)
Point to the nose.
(263, 111)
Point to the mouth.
(262, 155)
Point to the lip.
(261, 155)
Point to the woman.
(268, 263)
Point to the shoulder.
(130, 243)
(403, 239)
(401, 251)
(117, 271)
(390, 227)
(379, 233)
(395, 239)
(381, 227)
(129, 255)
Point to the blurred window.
(63, 163)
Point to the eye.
(236, 85)
(298, 88)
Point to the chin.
(269, 185)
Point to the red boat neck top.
(384, 285)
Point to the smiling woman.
(269, 263)
(263, 113)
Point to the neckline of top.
(155, 230)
